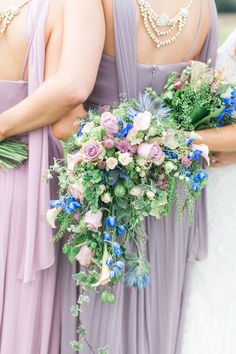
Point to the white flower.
(137, 192)
(150, 195)
(52, 215)
(102, 188)
(169, 166)
(111, 163)
(125, 159)
(106, 198)
(87, 128)
(142, 121)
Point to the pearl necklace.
(158, 26)
(8, 15)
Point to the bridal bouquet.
(199, 98)
(12, 154)
(122, 165)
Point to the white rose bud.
(111, 163)
(125, 159)
(106, 198)
(150, 195)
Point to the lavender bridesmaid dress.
(150, 321)
(30, 302)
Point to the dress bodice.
(11, 93)
(106, 90)
(123, 75)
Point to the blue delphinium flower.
(121, 230)
(171, 154)
(80, 131)
(195, 155)
(196, 187)
(114, 272)
(189, 142)
(69, 204)
(117, 249)
(200, 176)
(111, 221)
(109, 261)
(126, 128)
(120, 265)
(106, 236)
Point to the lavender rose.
(152, 152)
(123, 145)
(93, 151)
(109, 123)
(108, 141)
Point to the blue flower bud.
(120, 265)
(106, 236)
(121, 230)
(109, 261)
(111, 221)
(117, 249)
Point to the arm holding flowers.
(219, 139)
(79, 63)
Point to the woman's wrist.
(4, 129)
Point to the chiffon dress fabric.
(148, 321)
(30, 301)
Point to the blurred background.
(227, 17)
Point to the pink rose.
(133, 150)
(185, 161)
(108, 141)
(109, 123)
(93, 150)
(77, 191)
(73, 159)
(101, 165)
(178, 84)
(123, 145)
(142, 121)
(93, 221)
(156, 154)
(84, 257)
(152, 152)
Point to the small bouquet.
(199, 98)
(12, 154)
(123, 165)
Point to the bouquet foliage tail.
(12, 154)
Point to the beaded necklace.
(159, 26)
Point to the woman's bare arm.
(83, 24)
(219, 139)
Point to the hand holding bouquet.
(199, 98)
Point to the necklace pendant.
(184, 12)
(162, 20)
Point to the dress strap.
(124, 13)
(31, 38)
(209, 50)
(190, 52)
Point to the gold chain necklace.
(159, 26)
(8, 15)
